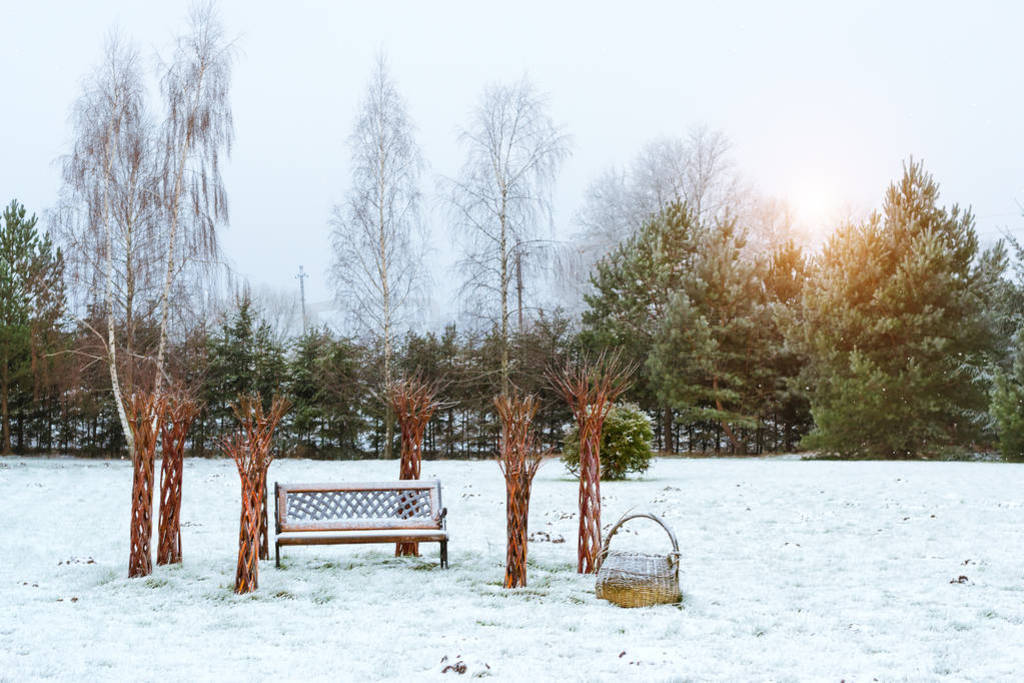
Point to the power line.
(302, 292)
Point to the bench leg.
(444, 554)
(277, 555)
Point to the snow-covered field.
(791, 570)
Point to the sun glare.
(815, 207)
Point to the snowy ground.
(791, 570)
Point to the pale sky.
(822, 102)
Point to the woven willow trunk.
(589, 543)
(179, 412)
(517, 512)
(247, 573)
(249, 447)
(168, 549)
(519, 459)
(264, 532)
(140, 562)
(145, 411)
(590, 388)
(412, 456)
(413, 401)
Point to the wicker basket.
(638, 579)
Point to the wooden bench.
(379, 512)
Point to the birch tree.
(198, 129)
(377, 252)
(514, 151)
(106, 216)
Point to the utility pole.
(302, 292)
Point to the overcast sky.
(822, 102)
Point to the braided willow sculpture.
(179, 413)
(144, 412)
(414, 402)
(590, 388)
(250, 449)
(519, 459)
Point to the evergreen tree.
(343, 390)
(269, 367)
(305, 390)
(326, 392)
(895, 330)
(434, 359)
(633, 287)
(1007, 405)
(1007, 303)
(31, 304)
(788, 411)
(703, 319)
(244, 358)
(550, 341)
(706, 360)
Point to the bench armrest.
(441, 518)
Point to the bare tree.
(514, 150)
(696, 169)
(280, 309)
(772, 222)
(377, 252)
(198, 128)
(107, 213)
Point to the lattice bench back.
(338, 507)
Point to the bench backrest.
(408, 504)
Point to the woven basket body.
(639, 579)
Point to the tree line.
(900, 338)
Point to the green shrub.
(625, 443)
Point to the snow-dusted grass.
(791, 570)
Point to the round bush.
(625, 443)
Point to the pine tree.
(706, 358)
(895, 331)
(788, 410)
(633, 287)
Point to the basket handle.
(625, 518)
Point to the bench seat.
(361, 536)
(373, 512)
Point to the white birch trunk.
(115, 382)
